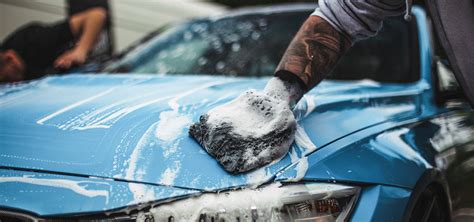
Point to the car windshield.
(252, 45)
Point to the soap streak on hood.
(83, 195)
(74, 186)
(116, 126)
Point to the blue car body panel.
(118, 126)
(50, 194)
(127, 136)
(112, 139)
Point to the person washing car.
(258, 128)
(34, 48)
(104, 44)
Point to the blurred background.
(131, 19)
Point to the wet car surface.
(371, 144)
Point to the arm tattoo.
(314, 51)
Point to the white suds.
(250, 122)
(106, 116)
(171, 125)
(136, 167)
(257, 177)
(233, 204)
(271, 112)
(305, 146)
(310, 104)
(72, 106)
(170, 174)
(276, 88)
(301, 168)
(141, 193)
(304, 107)
(74, 186)
(170, 148)
(303, 140)
(133, 166)
(293, 154)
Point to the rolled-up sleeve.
(359, 19)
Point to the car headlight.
(301, 203)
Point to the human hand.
(70, 58)
(249, 132)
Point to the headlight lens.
(319, 202)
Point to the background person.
(31, 50)
(104, 45)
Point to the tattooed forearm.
(314, 51)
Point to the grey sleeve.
(360, 18)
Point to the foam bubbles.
(171, 125)
(253, 114)
(250, 131)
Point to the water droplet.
(188, 36)
(235, 47)
(202, 61)
(162, 54)
(255, 35)
(220, 66)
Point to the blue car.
(387, 137)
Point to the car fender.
(391, 153)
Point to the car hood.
(134, 127)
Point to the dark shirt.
(104, 46)
(39, 45)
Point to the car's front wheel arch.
(431, 184)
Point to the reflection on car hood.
(134, 128)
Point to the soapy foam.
(106, 116)
(293, 155)
(252, 114)
(250, 131)
(171, 125)
(301, 168)
(229, 204)
(255, 113)
(102, 117)
(303, 140)
(135, 170)
(264, 204)
(141, 193)
(74, 186)
(72, 106)
(311, 104)
(276, 88)
(170, 174)
(166, 132)
(257, 176)
(303, 145)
